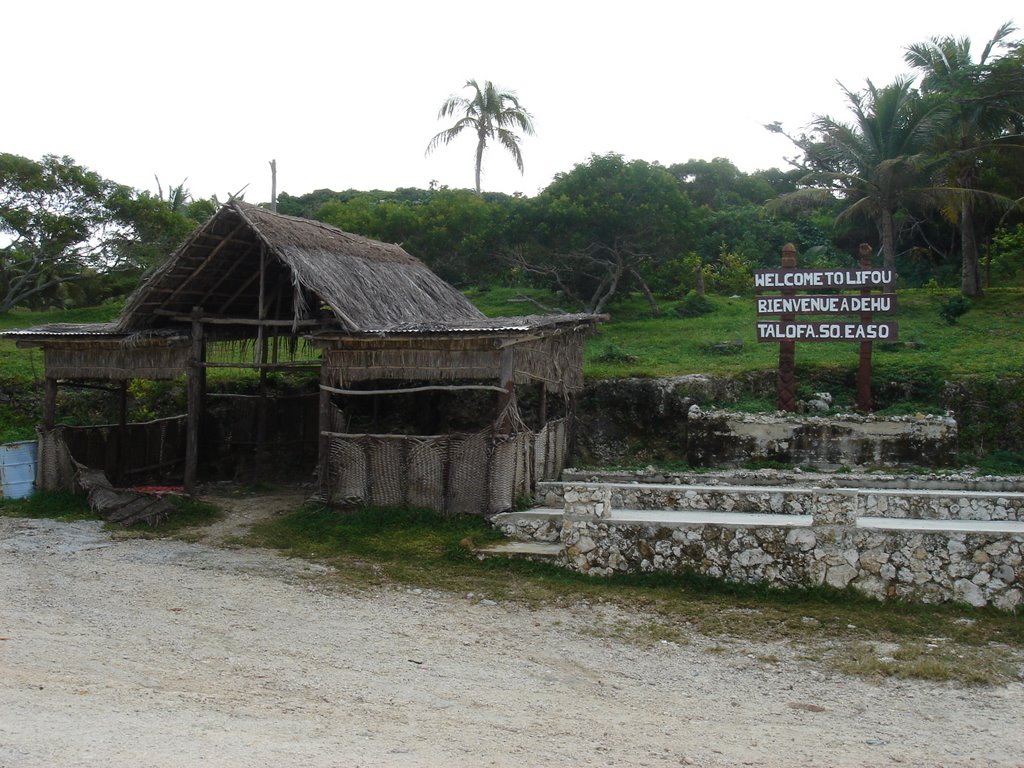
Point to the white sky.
(345, 94)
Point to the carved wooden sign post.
(787, 330)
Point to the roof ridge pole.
(273, 186)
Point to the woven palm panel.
(501, 476)
(386, 465)
(425, 470)
(55, 471)
(347, 471)
(524, 465)
(467, 474)
(540, 454)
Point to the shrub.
(694, 306)
(954, 308)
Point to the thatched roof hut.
(370, 311)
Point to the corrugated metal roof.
(495, 325)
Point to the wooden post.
(507, 381)
(864, 404)
(122, 431)
(261, 358)
(787, 347)
(196, 375)
(324, 441)
(49, 403)
(543, 405)
(261, 420)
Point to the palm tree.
(489, 113)
(876, 162)
(983, 108)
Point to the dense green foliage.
(933, 168)
(69, 237)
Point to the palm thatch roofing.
(313, 272)
(364, 303)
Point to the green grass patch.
(402, 543)
(16, 424)
(423, 549)
(45, 504)
(1002, 463)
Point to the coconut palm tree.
(492, 114)
(876, 163)
(985, 104)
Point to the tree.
(491, 114)
(606, 225)
(62, 224)
(877, 164)
(984, 101)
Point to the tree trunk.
(888, 227)
(481, 143)
(970, 276)
(655, 312)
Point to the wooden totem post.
(787, 347)
(864, 404)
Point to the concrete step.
(534, 513)
(943, 526)
(528, 550)
(539, 523)
(672, 517)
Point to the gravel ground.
(131, 652)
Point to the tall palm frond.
(490, 113)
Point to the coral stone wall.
(928, 546)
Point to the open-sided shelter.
(294, 293)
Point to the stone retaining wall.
(832, 546)
(826, 504)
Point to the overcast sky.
(345, 94)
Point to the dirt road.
(162, 653)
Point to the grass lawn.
(986, 341)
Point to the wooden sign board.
(843, 279)
(785, 331)
(826, 305)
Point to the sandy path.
(162, 653)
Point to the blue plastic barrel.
(18, 469)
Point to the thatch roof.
(314, 272)
(374, 310)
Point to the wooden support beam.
(406, 390)
(49, 403)
(324, 449)
(267, 366)
(122, 432)
(507, 385)
(221, 320)
(196, 376)
(252, 278)
(206, 261)
(227, 273)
